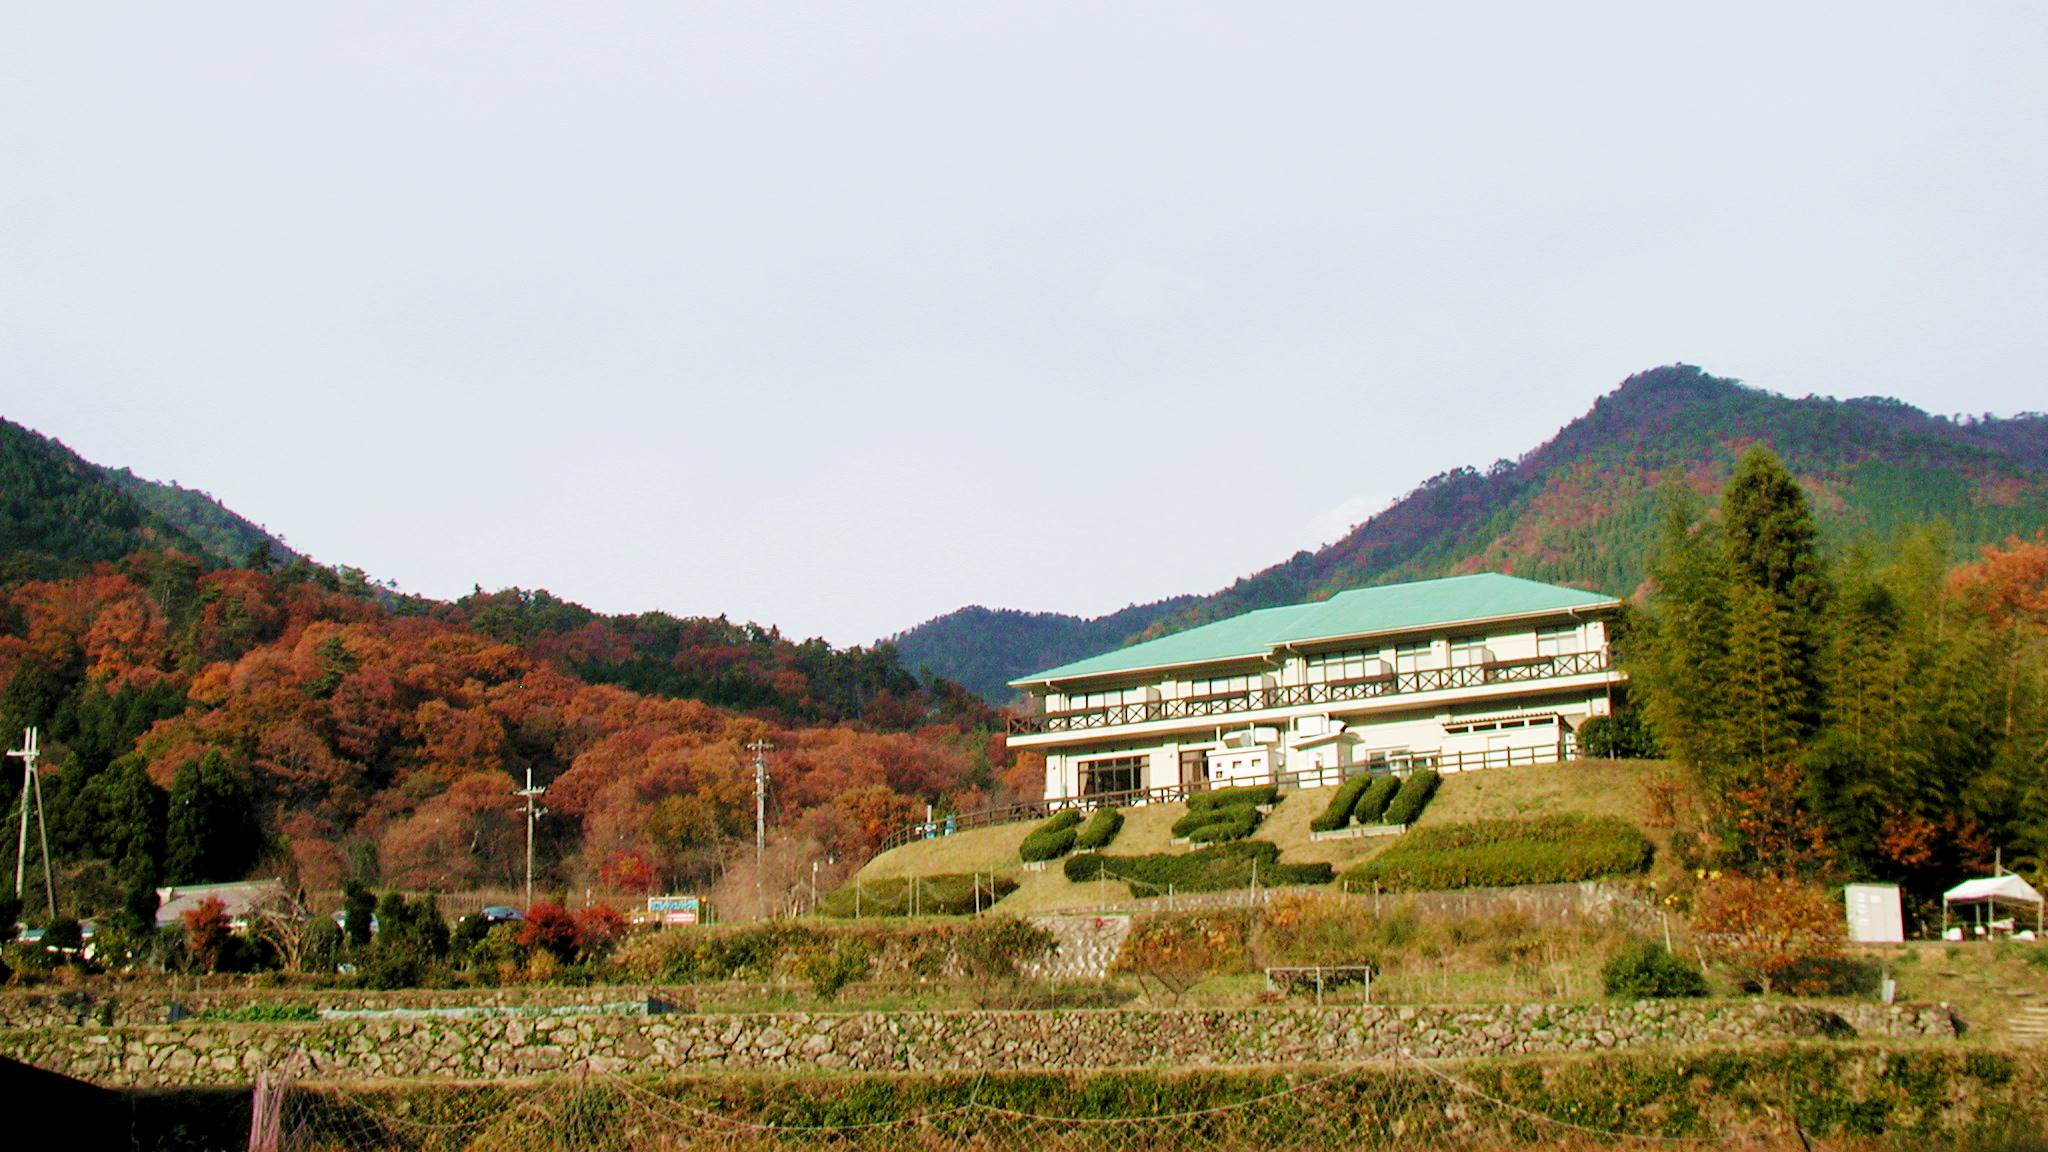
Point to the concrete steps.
(2029, 1025)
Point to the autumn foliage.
(383, 738)
(1767, 929)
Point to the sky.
(840, 317)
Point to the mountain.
(61, 515)
(60, 512)
(1580, 509)
(984, 648)
(211, 525)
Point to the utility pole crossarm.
(32, 792)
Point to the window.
(1469, 650)
(1219, 685)
(1324, 667)
(1409, 657)
(1561, 640)
(1115, 774)
(1095, 701)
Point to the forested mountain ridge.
(60, 512)
(1581, 508)
(61, 515)
(983, 648)
(212, 706)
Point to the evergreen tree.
(1677, 651)
(1773, 547)
(214, 832)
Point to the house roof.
(1388, 608)
(238, 900)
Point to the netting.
(1415, 1107)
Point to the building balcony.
(1334, 692)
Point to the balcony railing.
(1331, 692)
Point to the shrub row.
(1052, 839)
(1338, 812)
(952, 895)
(1500, 853)
(830, 956)
(1225, 814)
(1413, 797)
(1212, 869)
(1373, 804)
(1218, 825)
(1100, 830)
(1231, 797)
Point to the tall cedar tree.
(1773, 548)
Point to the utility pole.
(760, 749)
(32, 786)
(531, 794)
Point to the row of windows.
(1352, 664)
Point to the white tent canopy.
(1987, 892)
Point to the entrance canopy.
(1988, 892)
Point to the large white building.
(1453, 674)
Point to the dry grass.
(1593, 787)
(984, 850)
(1984, 983)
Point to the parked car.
(501, 914)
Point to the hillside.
(983, 648)
(207, 711)
(213, 527)
(1591, 787)
(59, 512)
(1580, 509)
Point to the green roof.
(1361, 611)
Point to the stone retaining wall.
(475, 1049)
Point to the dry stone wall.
(490, 1048)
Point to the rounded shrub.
(1645, 971)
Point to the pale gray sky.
(838, 317)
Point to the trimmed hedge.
(1218, 825)
(1052, 839)
(1413, 797)
(950, 895)
(1225, 814)
(1373, 804)
(1338, 812)
(1556, 849)
(1100, 829)
(1212, 869)
(1230, 797)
